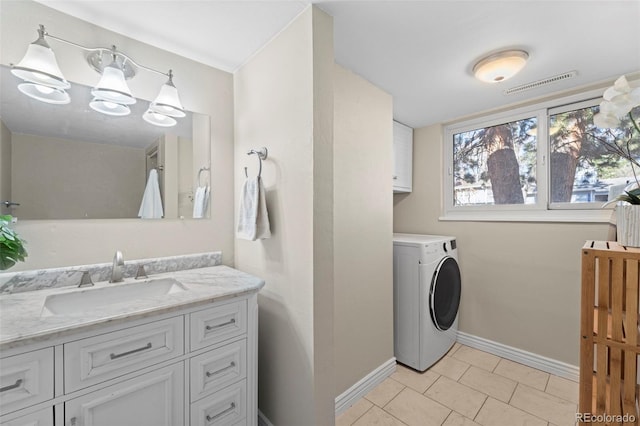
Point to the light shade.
(109, 108)
(39, 66)
(47, 94)
(500, 66)
(168, 102)
(158, 119)
(113, 87)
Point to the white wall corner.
(364, 386)
(530, 359)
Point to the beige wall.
(5, 167)
(521, 281)
(281, 104)
(202, 89)
(323, 208)
(49, 178)
(363, 216)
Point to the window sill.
(563, 216)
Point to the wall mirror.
(71, 162)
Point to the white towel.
(200, 201)
(253, 223)
(151, 206)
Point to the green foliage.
(631, 197)
(11, 246)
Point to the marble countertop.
(23, 319)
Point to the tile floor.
(467, 387)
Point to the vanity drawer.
(96, 359)
(226, 407)
(218, 368)
(217, 324)
(26, 379)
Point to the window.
(547, 162)
(585, 171)
(496, 164)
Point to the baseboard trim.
(364, 386)
(263, 420)
(540, 362)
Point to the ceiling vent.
(540, 83)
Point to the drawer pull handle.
(13, 386)
(221, 413)
(213, 327)
(133, 351)
(209, 373)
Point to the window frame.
(542, 210)
(559, 110)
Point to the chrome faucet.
(116, 271)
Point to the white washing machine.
(426, 297)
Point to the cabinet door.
(402, 157)
(153, 399)
(26, 379)
(40, 418)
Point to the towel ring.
(262, 155)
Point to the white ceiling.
(421, 52)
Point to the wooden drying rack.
(610, 331)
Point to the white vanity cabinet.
(402, 158)
(194, 366)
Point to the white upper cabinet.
(402, 157)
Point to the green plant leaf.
(11, 245)
(632, 198)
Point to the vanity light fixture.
(109, 108)
(43, 80)
(40, 71)
(158, 119)
(43, 93)
(500, 66)
(168, 102)
(112, 86)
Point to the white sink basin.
(110, 294)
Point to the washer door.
(444, 293)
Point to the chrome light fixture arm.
(113, 51)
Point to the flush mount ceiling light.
(43, 80)
(500, 66)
